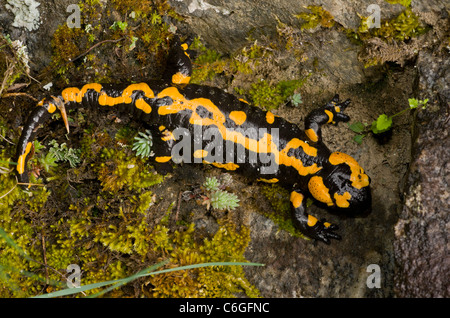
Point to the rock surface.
(421, 234)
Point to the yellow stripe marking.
(312, 135)
(273, 180)
(270, 118)
(330, 116)
(163, 158)
(319, 191)
(263, 145)
(358, 178)
(21, 160)
(227, 166)
(74, 94)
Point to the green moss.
(227, 244)
(135, 31)
(317, 16)
(207, 64)
(400, 28)
(111, 231)
(270, 96)
(281, 213)
(405, 3)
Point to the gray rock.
(421, 234)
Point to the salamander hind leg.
(308, 224)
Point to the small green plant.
(211, 184)
(57, 153)
(143, 144)
(224, 200)
(218, 198)
(384, 122)
(119, 25)
(64, 153)
(296, 99)
(48, 162)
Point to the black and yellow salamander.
(196, 123)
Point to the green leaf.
(358, 139)
(382, 124)
(413, 103)
(357, 127)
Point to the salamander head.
(343, 185)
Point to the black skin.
(287, 176)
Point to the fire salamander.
(204, 124)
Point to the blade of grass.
(130, 278)
(8, 162)
(71, 291)
(146, 272)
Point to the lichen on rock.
(26, 13)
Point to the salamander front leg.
(308, 224)
(330, 113)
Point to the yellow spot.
(311, 220)
(238, 117)
(342, 200)
(326, 224)
(184, 46)
(358, 178)
(319, 191)
(330, 116)
(161, 128)
(142, 105)
(51, 108)
(273, 180)
(21, 160)
(312, 135)
(270, 118)
(296, 199)
(163, 158)
(180, 78)
(337, 109)
(227, 166)
(200, 153)
(243, 100)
